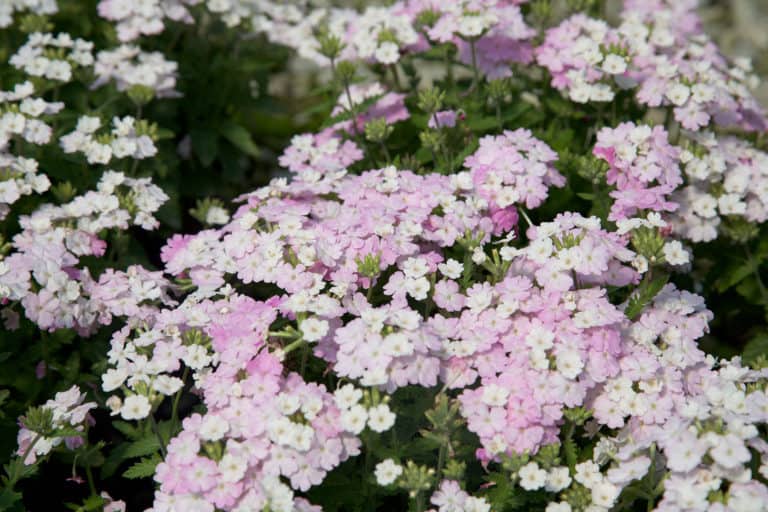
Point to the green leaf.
(205, 143)
(128, 430)
(240, 138)
(142, 447)
(8, 498)
(644, 295)
(756, 347)
(144, 468)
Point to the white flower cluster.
(144, 17)
(122, 142)
(19, 177)
(39, 7)
(69, 411)
(129, 66)
(52, 57)
(379, 34)
(118, 202)
(19, 113)
(354, 416)
(727, 177)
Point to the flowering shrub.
(492, 259)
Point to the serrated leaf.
(644, 295)
(8, 498)
(142, 447)
(143, 469)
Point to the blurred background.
(741, 29)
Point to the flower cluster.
(489, 34)
(134, 19)
(585, 58)
(314, 159)
(60, 420)
(726, 178)
(126, 140)
(40, 7)
(670, 61)
(20, 112)
(683, 410)
(52, 57)
(42, 274)
(130, 67)
(513, 168)
(644, 168)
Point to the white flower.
(730, 451)
(604, 494)
(313, 329)
(387, 53)
(347, 396)
(114, 403)
(353, 419)
(474, 504)
(216, 215)
(494, 395)
(614, 64)
(678, 94)
(380, 418)
(213, 427)
(135, 407)
(451, 269)
(479, 256)
(167, 385)
(113, 379)
(417, 288)
(675, 254)
(387, 472)
(562, 506)
(232, 468)
(569, 363)
(558, 479)
(532, 477)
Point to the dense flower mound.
(260, 424)
(513, 168)
(726, 178)
(460, 290)
(664, 57)
(644, 168)
(42, 274)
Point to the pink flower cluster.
(42, 274)
(497, 28)
(701, 414)
(665, 53)
(260, 425)
(513, 168)
(644, 168)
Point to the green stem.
(91, 484)
(177, 398)
(475, 70)
(293, 346)
(160, 439)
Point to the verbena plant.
(510, 258)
